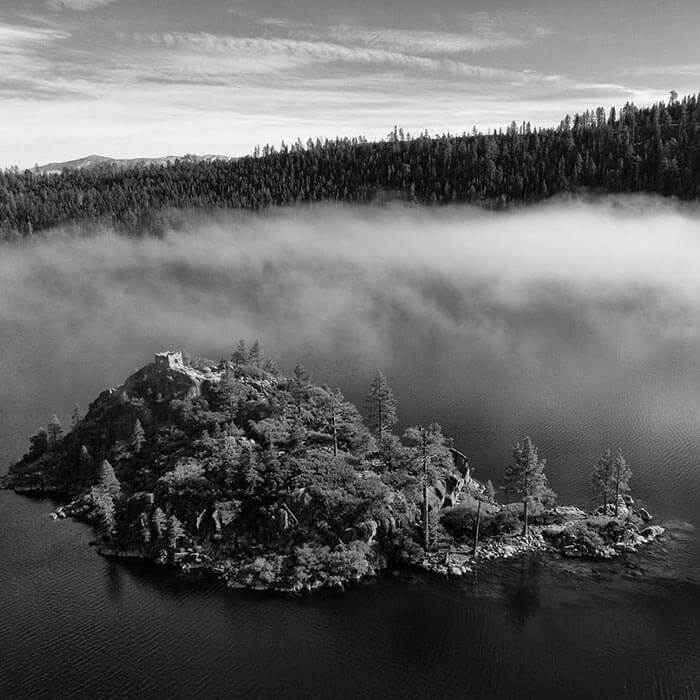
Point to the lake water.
(576, 324)
(78, 625)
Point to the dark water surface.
(578, 325)
(77, 625)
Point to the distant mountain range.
(90, 162)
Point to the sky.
(138, 78)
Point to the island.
(273, 482)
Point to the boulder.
(644, 514)
(453, 488)
(571, 512)
(652, 532)
(460, 558)
(552, 530)
(368, 530)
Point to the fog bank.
(472, 315)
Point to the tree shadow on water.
(113, 574)
(521, 591)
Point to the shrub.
(266, 570)
(460, 521)
(401, 547)
(585, 539)
(319, 565)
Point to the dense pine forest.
(650, 149)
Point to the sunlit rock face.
(152, 387)
(169, 378)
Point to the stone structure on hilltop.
(171, 359)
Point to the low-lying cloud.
(488, 322)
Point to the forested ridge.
(649, 149)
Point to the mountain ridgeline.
(274, 482)
(650, 149)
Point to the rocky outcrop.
(600, 536)
(153, 386)
(652, 532)
(81, 508)
(644, 514)
(570, 513)
(460, 559)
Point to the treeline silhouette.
(649, 149)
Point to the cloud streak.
(24, 38)
(78, 5)
(297, 52)
(688, 69)
(482, 38)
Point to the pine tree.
(38, 443)
(138, 436)
(76, 416)
(330, 407)
(300, 387)
(174, 531)
(108, 479)
(54, 431)
(255, 356)
(159, 522)
(621, 474)
(250, 471)
(103, 504)
(145, 529)
(429, 445)
(525, 478)
(490, 491)
(297, 436)
(333, 409)
(345, 423)
(269, 365)
(240, 355)
(602, 478)
(381, 406)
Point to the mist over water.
(578, 324)
(575, 323)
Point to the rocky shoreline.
(461, 559)
(569, 538)
(570, 533)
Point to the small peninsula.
(273, 482)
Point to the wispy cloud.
(26, 55)
(688, 69)
(425, 42)
(79, 5)
(22, 38)
(472, 32)
(290, 53)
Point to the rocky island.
(273, 482)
